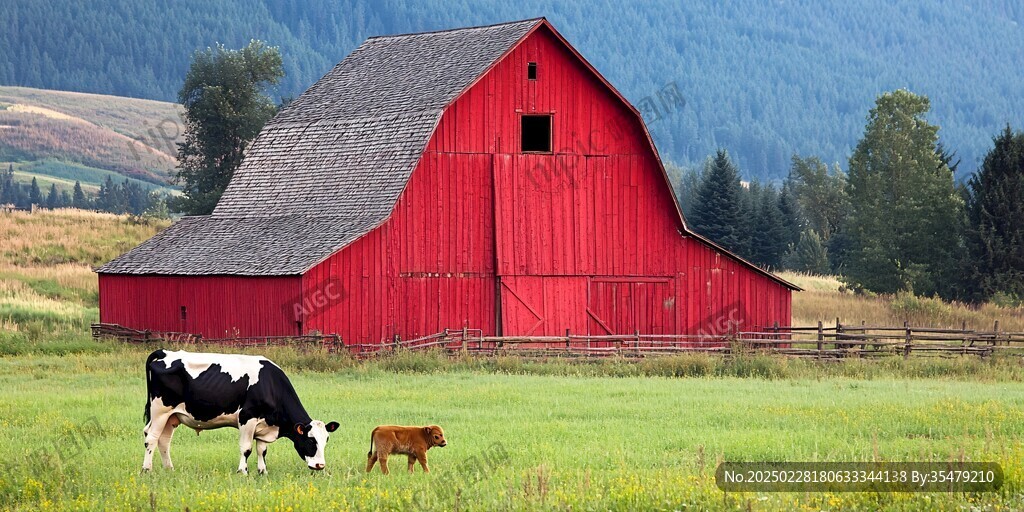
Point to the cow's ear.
(332, 426)
(300, 429)
(426, 430)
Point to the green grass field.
(72, 438)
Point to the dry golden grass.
(822, 299)
(46, 278)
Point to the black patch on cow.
(247, 453)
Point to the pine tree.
(52, 199)
(903, 227)
(35, 196)
(717, 208)
(78, 199)
(770, 239)
(995, 213)
(808, 255)
(8, 188)
(65, 199)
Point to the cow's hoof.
(262, 471)
(244, 472)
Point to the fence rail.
(833, 342)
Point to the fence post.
(995, 334)
(910, 337)
(636, 333)
(839, 331)
(395, 342)
(821, 338)
(775, 330)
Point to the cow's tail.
(157, 354)
(370, 453)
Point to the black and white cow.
(208, 391)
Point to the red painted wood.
(586, 238)
(216, 306)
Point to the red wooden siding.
(215, 306)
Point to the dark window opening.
(531, 71)
(183, 312)
(536, 134)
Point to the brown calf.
(411, 441)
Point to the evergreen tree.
(78, 199)
(903, 228)
(770, 239)
(53, 199)
(820, 195)
(995, 213)
(808, 255)
(791, 220)
(225, 108)
(8, 188)
(65, 199)
(35, 196)
(717, 208)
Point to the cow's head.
(311, 440)
(435, 435)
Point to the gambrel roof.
(333, 160)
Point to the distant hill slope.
(762, 79)
(75, 136)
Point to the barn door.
(627, 305)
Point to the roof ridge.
(457, 29)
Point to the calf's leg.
(412, 462)
(371, 459)
(423, 461)
(383, 458)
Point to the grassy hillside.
(61, 134)
(46, 281)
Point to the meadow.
(523, 434)
(72, 439)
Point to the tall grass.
(824, 298)
(46, 280)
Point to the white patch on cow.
(318, 432)
(235, 365)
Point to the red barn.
(486, 177)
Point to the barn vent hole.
(536, 134)
(531, 71)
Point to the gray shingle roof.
(331, 165)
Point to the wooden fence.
(832, 342)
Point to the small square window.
(531, 71)
(535, 134)
(184, 312)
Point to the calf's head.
(311, 440)
(435, 435)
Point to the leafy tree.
(225, 108)
(53, 199)
(905, 213)
(717, 207)
(808, 255)
(35, 196)
(770, 238)
(820, 195)
(78, 199)
(995, 213)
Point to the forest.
(763, 80)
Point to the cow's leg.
(165, 440)
(423, 461)
(159, 414)
(412, 462)
(371, 459)
(383, 458)
(261, 453)
(246, 432)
